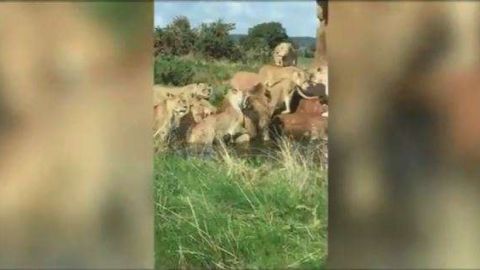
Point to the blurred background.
(75, 143)
(404, 134)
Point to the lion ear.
(169, 95)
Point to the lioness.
(167, 115)
(257, 112)
(284, 55)
(228, 122)
(272, 74)
(201, 108)
(200, 90)
(320, 76)
(282, 82)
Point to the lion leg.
(266, 134)
(244, 138)
(314, 135)
(160, 132)
(162, 135)
(263, 124)
(239, 130)
(287, 101)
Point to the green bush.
(174, 71)
(272, 33)
(256, 50)
(307, 53)
(177, 38)
(219, 94)
(214, 41)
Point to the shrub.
(214, 40)
(176, 39)
(257, 50)
(272, 33)
(174, 71)
(307, 53)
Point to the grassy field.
(226, 211)
(214, 72)
(218, 71)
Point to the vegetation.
(172, 70)
(271, 33)
(214, 41)
(175, 39)
(301, 42)
(225, 209)
(229, 212)
(255, 50)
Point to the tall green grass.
(216, 72)
(229, 212)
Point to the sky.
(297, 17)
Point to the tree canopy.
(272, 32)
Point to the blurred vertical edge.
(404, 135)
(75, 144)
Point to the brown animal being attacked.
(307, 122)
(312, 106)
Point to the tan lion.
(194, 90)
(282, 82)
(319, 75)
(167, 115)
(228, 122)
(284, 55)
(258, 115)
(201, 109)
(258, 112)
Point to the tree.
(255, 50)
(272, 32)
(214, 41)
(177, 38)
(158, 44)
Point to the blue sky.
(297, 17)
